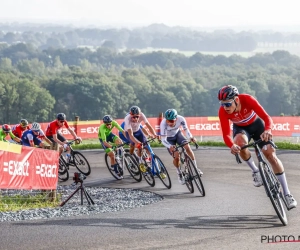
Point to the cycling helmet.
(24, 122)
(6, 128)
(61, 116)
(171, 114)
(227, 92)
(135, 110)
(35, 126)
(107, 119)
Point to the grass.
(29, 201)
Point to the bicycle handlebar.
(254, 144)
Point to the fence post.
(76, 124)
(160, 118)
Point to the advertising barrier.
(199, 126)
(27, 167)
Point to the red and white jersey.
(54, 126)
(18, 131)
(250, 110)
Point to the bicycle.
(122, 158)
(270, 181)
(154, 167)
(190, 172)
(75, 159)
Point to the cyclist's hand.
(172, 148)
(193, 139)
(235, 149)
(266, 135)
(78, 140)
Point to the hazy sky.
(201, 13)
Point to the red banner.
(199, 126)
(33, 168)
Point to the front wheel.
(132, 167)
(272, 187)
(195, 175)
(162, 172)
(81, 163)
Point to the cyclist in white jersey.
(134, 133)
(171, 135)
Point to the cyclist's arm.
(132, 136)
(152, 130)
(165, 142)
(72, 133)
(13, 137)
(47, 140)
(145, 131)
(186, 129)
(115, 124)
(225, 125)
(54, 136)
(259, 110)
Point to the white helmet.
(35, 126)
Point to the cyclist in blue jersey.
(31, 138)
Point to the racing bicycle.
(189, 170)
(270, 181)
(123, 158)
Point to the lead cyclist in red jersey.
(250, 120)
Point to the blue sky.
(144, 12)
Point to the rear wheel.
(195, 175)
(162, 172)
(132, 167)
(81, 163)
(272, 187)
(63, 172)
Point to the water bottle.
(68, 157)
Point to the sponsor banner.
(33, 168)
(199, 126)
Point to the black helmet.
(61, 116)
(107, 119)
(227, 92)
(135, 110)
(23, 122)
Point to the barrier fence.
(199, 126)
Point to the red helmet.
(6, 128)
(227, 92)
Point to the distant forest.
(37, 82)
(155, 36)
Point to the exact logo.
(89, 130)
(46, 170)
(18, 168)
(206, 126)
(281, 126)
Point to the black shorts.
(252, 131)
(59, 137)
(179, 139)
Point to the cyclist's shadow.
(195, 222)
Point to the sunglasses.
(226, 104)
(171, 121)
(108, 124)
(135, 117)
(61, 121)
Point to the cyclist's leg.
(140, 137)
(241, 137)
(131, 149)
(55, 146)
(108, 149)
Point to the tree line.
(155, 35)
(37, 84)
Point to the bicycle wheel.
(195, 175)
(132, 167)
(187, 173)
(162, 172)
(272, 188)
(63, 172)
(81, 163)
(110, 169)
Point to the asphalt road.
(233, 215)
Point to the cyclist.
(5, 131)
(19, 129)
(32, 136)
(105, 136)
(171, 135)
(135, 134)
(250, 120)
(124, 139)
(53, 134)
